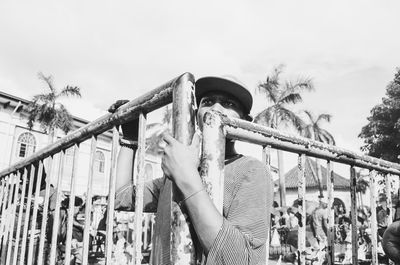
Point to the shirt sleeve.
(125, 196)
(242, 237)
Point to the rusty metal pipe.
(253, 133)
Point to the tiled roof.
(291, 177)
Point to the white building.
(341, 187)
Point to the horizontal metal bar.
(150, 101)
(262, 135)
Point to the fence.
(19, 190)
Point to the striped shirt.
(248, 195)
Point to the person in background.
(320, 223)
(382, 215)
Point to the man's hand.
(180, 163)
(391, 242)
(129, 129)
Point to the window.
(26, 144)
(99, 161)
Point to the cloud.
(113, 51)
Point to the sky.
(121, 49)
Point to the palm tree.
(281, 95)
(48, 111)
(313, 130)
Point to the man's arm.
(125, 191)
(125, 164)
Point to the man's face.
(219, 101)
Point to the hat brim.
(213, 83)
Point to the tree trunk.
(51, 136)
(282, 184)
(319, 177)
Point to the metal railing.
(19, 189)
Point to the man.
(238, 236)
(319, 223)
(382, 215)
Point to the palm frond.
(46, 114)
(43, 98)
(307, 131)
(301, 84)
(310, 116)
(270, 87)
(49, 81)
(63, 118)
(70, 91)
(291, 98)
(325, 117)
(33, 111)
(265, 117)
(269, 90)
(287, 116)
(326, 137)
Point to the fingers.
(168, 138)
(196, 140)
(116, 105)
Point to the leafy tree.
(281, 94)
(314, 130)
(382, 133)
(48, 111)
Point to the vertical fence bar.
(137, 253)
(302, 209)
(388, 192)
(331, 214)
(354, 229)
(56, 213)
(71, 206)
(180, 245)
(34, 214)
(12, 217)
(374, 223)
(88, 205)
(27, 213)
(266, 157)
(43, 238)
(7, 216)
(111, 197)
(20, 213)
(4, 207)
(2, 192)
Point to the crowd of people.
(285, 222)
